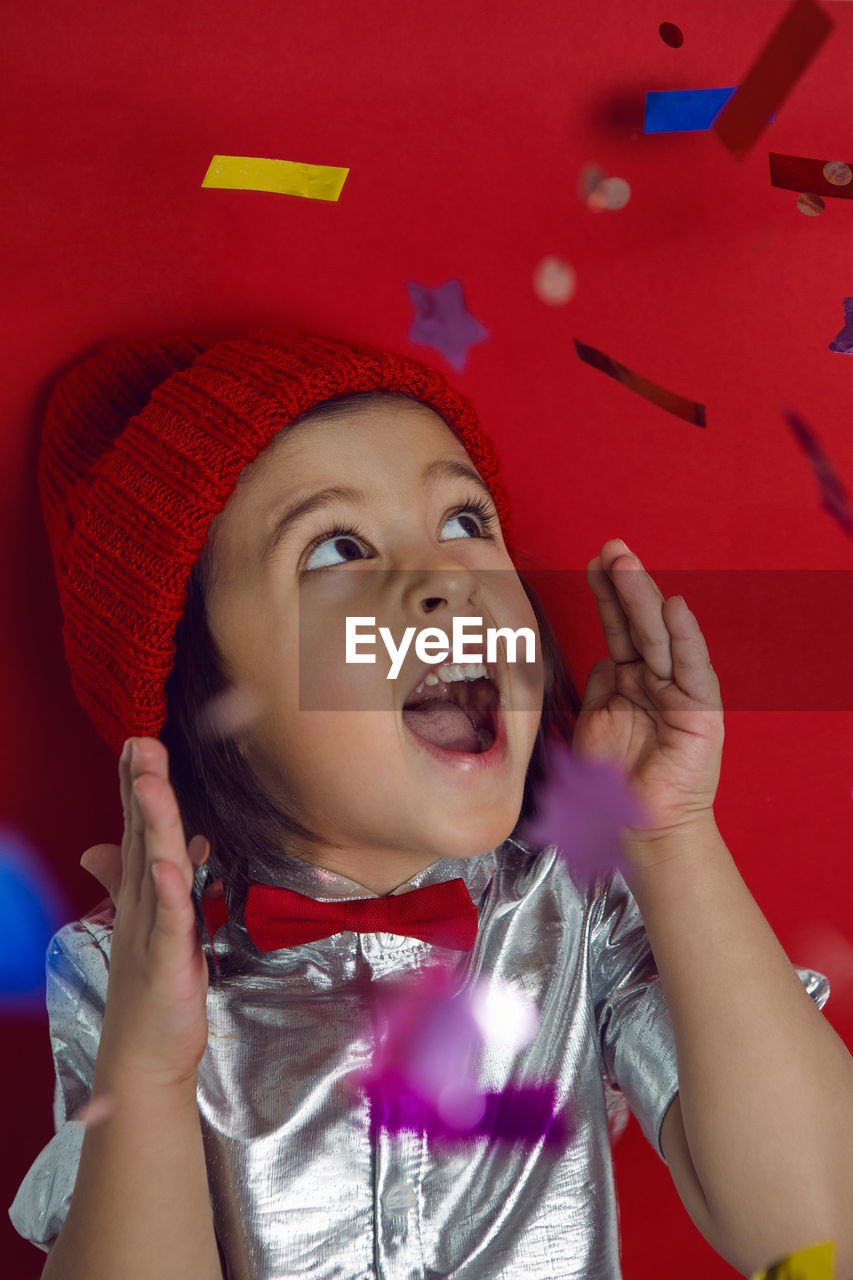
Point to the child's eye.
(350, 534)
(482, 525)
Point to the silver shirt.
(297, 1186)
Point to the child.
(197, 502)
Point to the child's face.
(355, 772)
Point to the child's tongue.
(443, 724)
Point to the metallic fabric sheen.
(297, 1187)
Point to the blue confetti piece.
(32, 908)
(685, 110)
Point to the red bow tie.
(442, 914)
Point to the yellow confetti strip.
(284, 177)
(814, 1263)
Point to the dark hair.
(218, 793)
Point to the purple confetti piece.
(843, 341)
(526, 1113)
(835, 497)
(443, 321)
(422, 1076)
(580, 807)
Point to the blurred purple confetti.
(581, 807)
(835, 496)
(423, 1076)
(843, 341)
(443, 321)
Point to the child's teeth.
(451, 671)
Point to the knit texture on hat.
(142, 447)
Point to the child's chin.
(469, 841)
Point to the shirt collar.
(291, 872)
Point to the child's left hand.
(653, 707)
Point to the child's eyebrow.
(441, 469)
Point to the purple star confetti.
(423, 1074)
(443, 321)
(581, 807)
(835, 497)
(843, 341)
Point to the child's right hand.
(155, 1017)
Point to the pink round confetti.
(554, 281)
(611, 193)
(504, 1013)
(230, 711)
(810, 204)
(838, 173)
(460, 1105)
(92, 1113)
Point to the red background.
(465, 125)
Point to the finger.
(691, 660)
(147, 757)
(630, 606)
(130, 848)
(174, 924)
(163, 828)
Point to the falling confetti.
(810, 204)
(838, 173)
(443, 321)
(843, 341)
(590, 176)
(799, 173)
(684, 110)
(32, 908)
(815, 1263)
(92, 1113)
(282, 177)
(423, 1076)
(554, 281)
(226, 714)
(835, 497)
(772, 76)
(671, 35)
(581, 807)
(829, 952)
(611, 193)
(691, 410)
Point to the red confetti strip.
(691, 410)
(799, 173)
(772, 76)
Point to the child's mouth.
(459, 713)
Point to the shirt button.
(389, 941)
(399, 1198)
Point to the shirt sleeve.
(632, 1018)
(76, 968)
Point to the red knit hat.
(142, 446)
